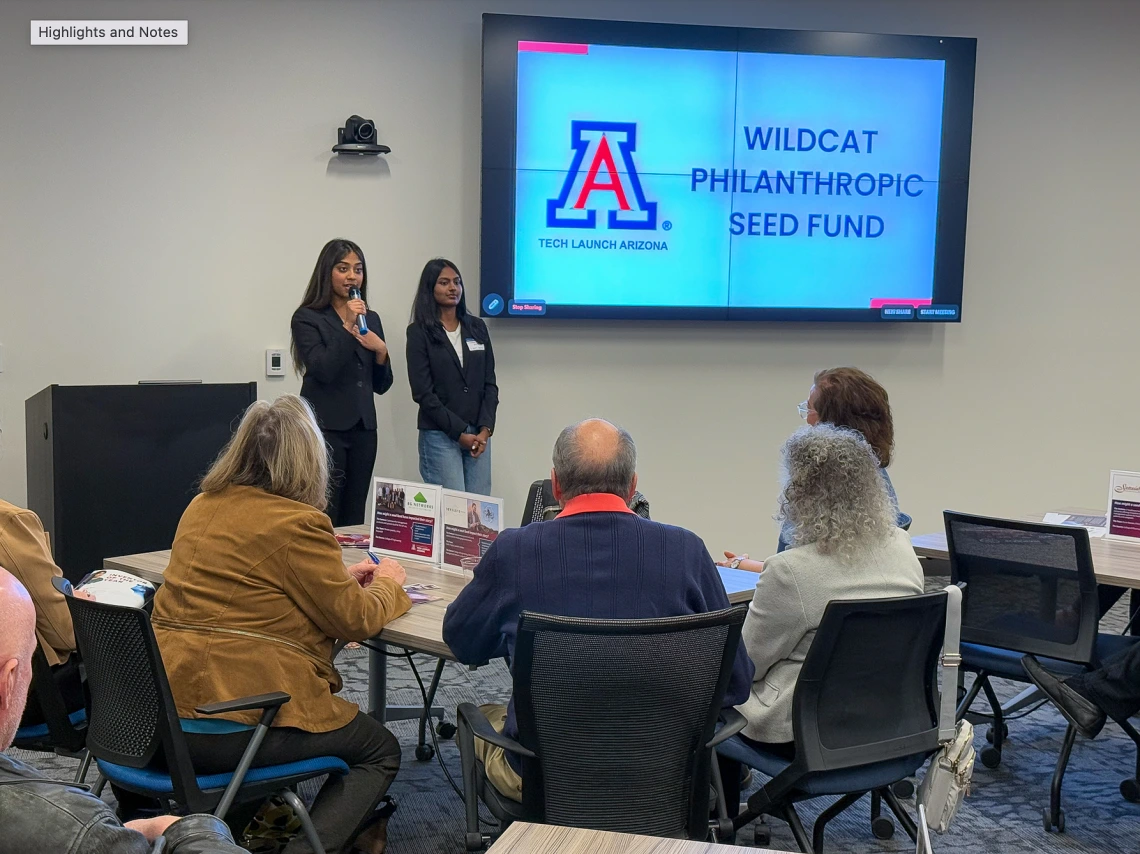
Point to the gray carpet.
(1003, 814)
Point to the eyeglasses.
(804, 409)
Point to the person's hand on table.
(389, 568)
(735, 561)
(363, 572)
(152, 828)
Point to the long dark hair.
(319, 292)
(425, 310)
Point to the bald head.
(17, 643)
(594, 456)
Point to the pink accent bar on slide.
(553, 47)
(882, 301)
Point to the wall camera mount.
(358, 136)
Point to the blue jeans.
(444, 462)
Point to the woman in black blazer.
(343, 368)
(451, 368)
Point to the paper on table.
(1097, 526)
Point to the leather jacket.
(39, 814)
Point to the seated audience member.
(1087, 699)
(842, 397)
(847, 546)
(24, 552)
(254, 598)
(596, 559)
(40, 814)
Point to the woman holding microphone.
(451, 369)
(338, 344)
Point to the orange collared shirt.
(594, 502)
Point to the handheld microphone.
(361, 324)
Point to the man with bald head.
(596, 559)
(40, 814)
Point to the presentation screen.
(638, 170)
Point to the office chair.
(541, 505)
(63, 733)
(616, 723)
(1030, 589)
(864, 715)
(135, 734)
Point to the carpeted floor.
(1003, 814)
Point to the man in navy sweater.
(596, 559)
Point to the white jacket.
(787, 607)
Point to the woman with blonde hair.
(847, 545)
(254, 598)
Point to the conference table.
(525, 838)
(420, 629)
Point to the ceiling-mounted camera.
(358, 136)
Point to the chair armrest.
(242, 704)
(482, 728)
(734, 722)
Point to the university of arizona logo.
(601, 184)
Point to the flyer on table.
(470, 524)
(405, 519)
(1124, 504)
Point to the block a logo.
(600, 184)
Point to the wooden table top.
(421, 628)
(524, 838)
(1114, 561)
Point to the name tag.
(474, 346)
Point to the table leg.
(377, 683)
(378, 691)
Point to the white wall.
(162, 209)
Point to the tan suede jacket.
(254, 597)
(24, 552)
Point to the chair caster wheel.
(1047, 820)
(474, 841)
(762, 835)
(725, 832)
(1130, 790)
(446, 729)
(990, 733)
(903, 788)
(991, 757)
(424, 752)
(882, 827)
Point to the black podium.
(111, 468)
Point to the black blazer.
(452, 396)
(340, 375)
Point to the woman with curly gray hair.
(847, 546)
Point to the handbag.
(948, 776)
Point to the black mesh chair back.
(133, 721)
(537, 504)
(618, 713)
(541, 506)
(1030, 587)
(868, 688)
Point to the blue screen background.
(690, 108)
